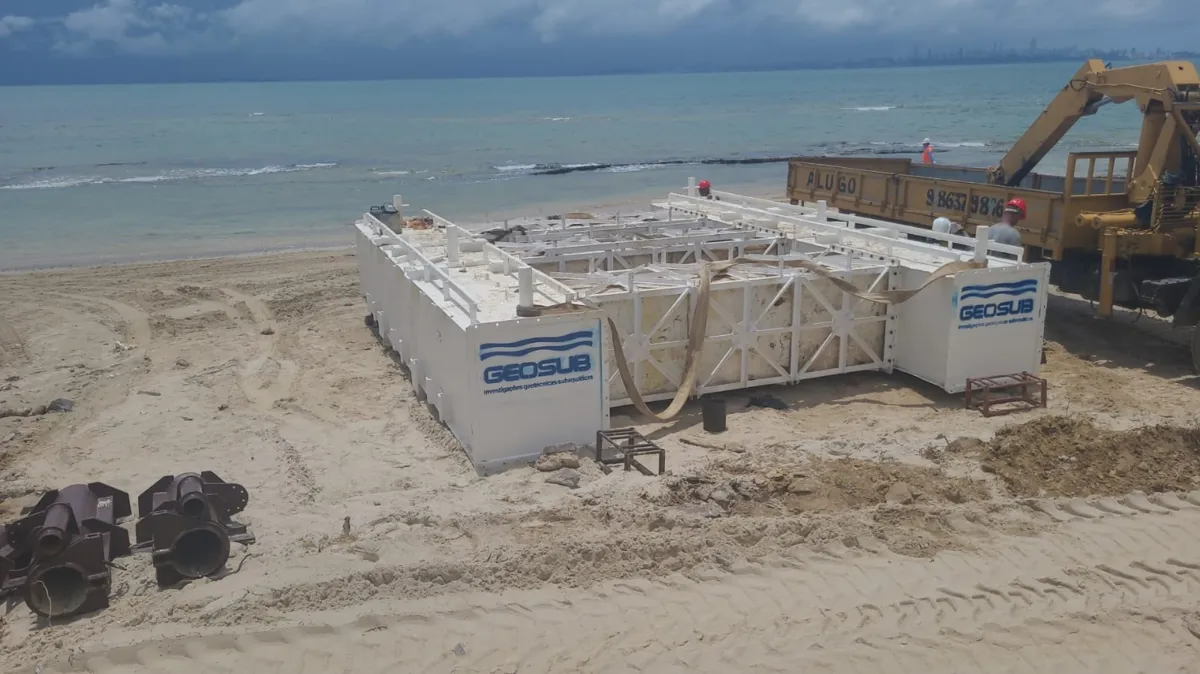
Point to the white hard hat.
(943, 226)
(926, 141)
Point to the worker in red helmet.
(705, 189)
(1005, 231)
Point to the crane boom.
(1158, 88)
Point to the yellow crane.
(1123, 231)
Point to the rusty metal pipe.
(190, 495)
(57, 591)
(52, 537)
(185, 525)
(58, 555)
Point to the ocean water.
(93, 174)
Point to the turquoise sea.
(93, 174)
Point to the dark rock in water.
(767, 401)
(61, 405)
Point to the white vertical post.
(451, 247)
(821, 211)
(981, 243)
(525, 286)
(692, 187)
(398, 202)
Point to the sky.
(52, 41)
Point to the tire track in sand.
(136, 321)
(267, 377)
(1108, 590)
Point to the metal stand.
(626, 445)
(1021, 391)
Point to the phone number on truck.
(957, 201)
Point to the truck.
(1119, 228)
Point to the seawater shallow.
(91, 174)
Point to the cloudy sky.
(155, 40)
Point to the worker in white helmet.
(947, 226)
(927, 152)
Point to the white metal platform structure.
(506, 340)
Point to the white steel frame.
(739, 334)
(789, 220)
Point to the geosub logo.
(523, 372)
(983, 312)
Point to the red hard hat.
(1017, 205)
(704, 183)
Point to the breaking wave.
(166, 176)
(872, 108)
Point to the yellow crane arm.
(1157, 88)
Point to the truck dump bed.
(907, 192)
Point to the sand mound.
(1070, 456)
(819, 486)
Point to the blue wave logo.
(1011, 288)
(524, 347)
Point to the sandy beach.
(873, 525)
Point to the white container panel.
(923, 328)
(997, 322)
(537, 383)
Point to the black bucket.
(713, 413)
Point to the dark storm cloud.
(60, 36)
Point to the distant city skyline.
(999, 54)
